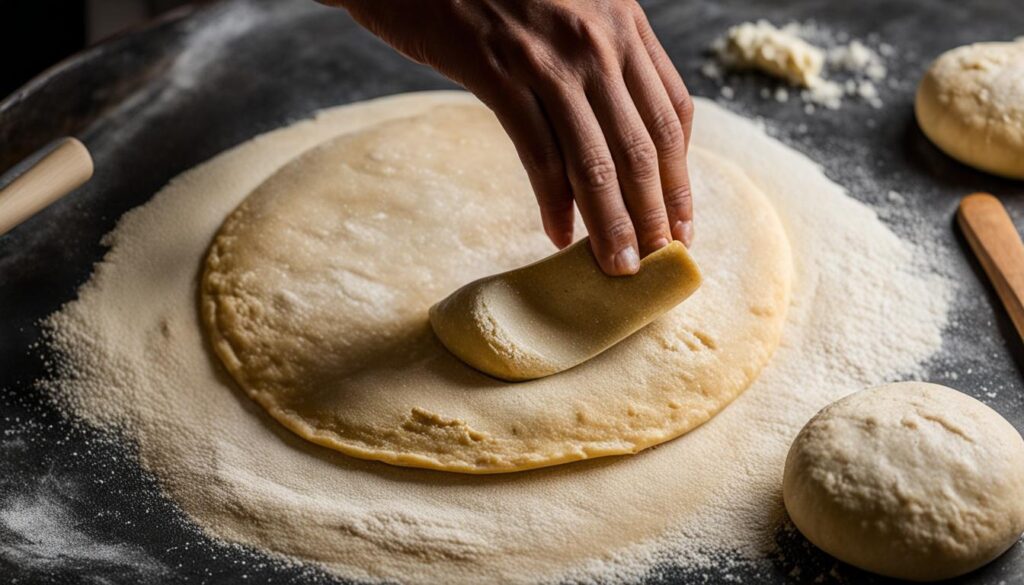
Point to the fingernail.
(627, 261)
(660, 243)
(560, 239)
(683, 231)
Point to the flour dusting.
(40, 534)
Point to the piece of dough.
(910, 480)
(971, 105)
(557, 313)
(763, 47)
(317, 288)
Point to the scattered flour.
(896, 198)
(856, 57)
(41, 535)
(133, 357)
(845, 68)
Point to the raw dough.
(317, 288)
(557, 313)
(911, 480)
(761, 46)
(971, 105)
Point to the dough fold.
(557, 313)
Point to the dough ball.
(971, 105)
(910, 480)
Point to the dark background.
(35, 34)
(75, 506)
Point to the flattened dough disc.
(556, 313)
(317, 288)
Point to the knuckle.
(586, 30)
(593, 35)
(617, 231)
(683, 105)
(545, 163)
(597, 173)
(679, 197)
(640, 156)
(551, 187)
(667, 132)
(652, 221)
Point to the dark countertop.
(153, 103)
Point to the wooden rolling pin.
(995, 241)
(64, 166)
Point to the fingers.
(666, 132)
(610, 125)
(636, 161)
(592, 173)
(527, 125)
(670, 79)
(678, 195)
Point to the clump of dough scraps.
(761, 46)
(788, 53)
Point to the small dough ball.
(971, 105)
(910, 480)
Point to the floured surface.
(136, 359)
(317, 288)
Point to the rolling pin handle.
(995, 241)
(58, 172)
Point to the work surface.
(76, 506)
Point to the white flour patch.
(40, 534)
(865, 310)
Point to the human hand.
(596, 110)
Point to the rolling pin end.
(62, 167)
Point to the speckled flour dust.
(133, 357)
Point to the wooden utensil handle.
(62, 170)
(994, 239)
